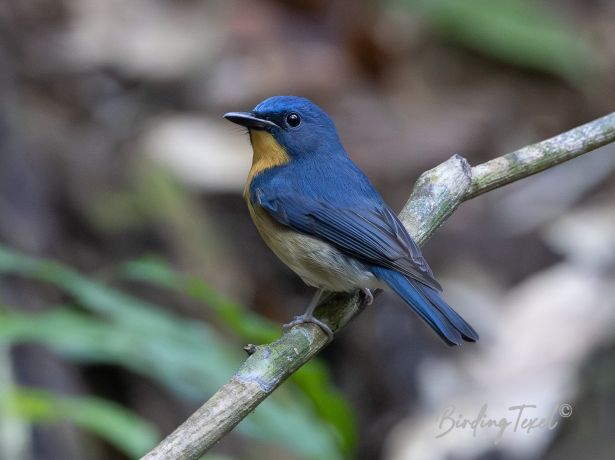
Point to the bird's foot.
(310, 319)
(369, 297)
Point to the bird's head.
(296, 125)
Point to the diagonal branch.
(436, 195)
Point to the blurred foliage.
(308, 418)
(122, 428)
(313, 378)
(518, 32)
(236, 318)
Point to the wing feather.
(373, 234)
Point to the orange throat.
(267, 153)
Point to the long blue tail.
(429, 305)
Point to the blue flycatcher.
(323, 218)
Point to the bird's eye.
(293, 119)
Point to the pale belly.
(318, 263)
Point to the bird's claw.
(369, 297)
(310, 319)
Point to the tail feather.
(428, 304)
(467, 332)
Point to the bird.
(322, 217)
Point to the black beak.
(248, 120)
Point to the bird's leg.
(308, 316)
(369, 297)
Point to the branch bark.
(436, 195)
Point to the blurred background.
(131, 275)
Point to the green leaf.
(238, 319)
(117, 425)
(80, 337)
(315, 381)
(313, 378)
(188, 356)
(184, 367)
(519, 32)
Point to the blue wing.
(355, 220)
